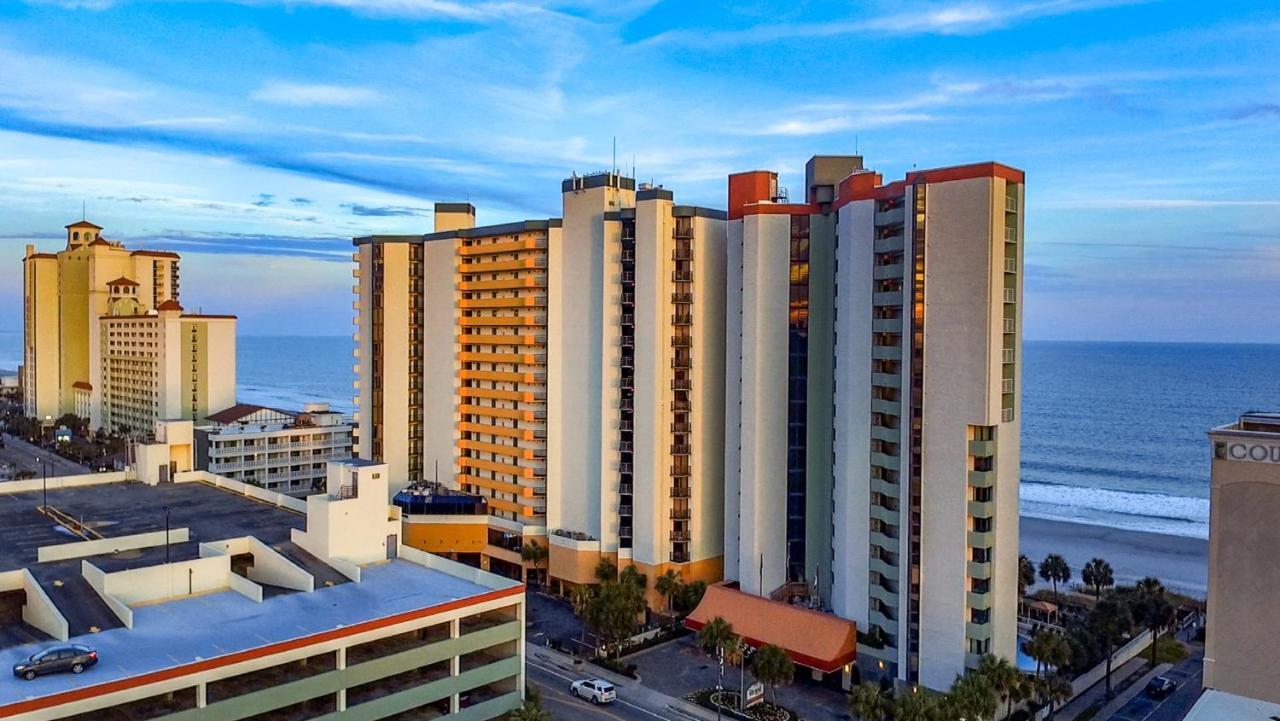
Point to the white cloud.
(954, 18)
(821, 126)
(306, 94)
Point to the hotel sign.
(1247, 452)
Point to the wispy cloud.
(384, 211)
(951, 18)
(1256, 111)
(306, 95)
(820, 126)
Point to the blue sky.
(257, 137)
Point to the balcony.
(679, 556)
(624, 489)
(982, 448)
(981, 539)
(624, 510)
(977, 631)
(982, 509)
(1011, 204)
(1011, 295)
(887, 380)
(682, 254)
(892, 216)
(1010, 325)
(681, 428)
(1006, 355)
(682, 276)
(681, 342)
(681, 449)
(682, 319)
(681, 406)
(1010, 235)
(680, 492)
(1006, 385)
(886, 352)
(889, 298)
(1011, 265)
(980, 570)
(889, 244)
(682, 361)
(886, 325)
(885, 272)
(682, 298)
(892, 408)
(886, 461)
(680, 536)
(681, 384)
(679, 514)
(982, 479)
(978, 601)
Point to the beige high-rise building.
(1241, 652)
(104, 337)
(873, 386)
(569, 371)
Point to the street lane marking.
(570, 679)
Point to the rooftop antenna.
(615, 155)
(83, 214)
(855, 143)
(633, 166)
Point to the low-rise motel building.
(1241, 652)
(812, 396)
(208, 598)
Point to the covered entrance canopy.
(811, 638)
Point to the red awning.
(811, 638)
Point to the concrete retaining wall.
(97, 579)
(58, 482)
(84, 549)
(38, 611)
(245, 489)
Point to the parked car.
(1161, 687)
(595, 690)
(74, 658)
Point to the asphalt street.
(553, 684)
(1187, 674)
(26, 457)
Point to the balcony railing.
(681, 536)
(680, 492)
(682, 298)
(679, 514)
(682, 319)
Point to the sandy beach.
(1181, 563)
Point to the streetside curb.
(566, 663)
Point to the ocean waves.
(1133, 510)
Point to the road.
(553, 682)
(26, 457)
(1188, 676)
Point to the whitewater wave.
(1135, 510)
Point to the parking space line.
(570, 679)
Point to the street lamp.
(44, 484)
(166, 534)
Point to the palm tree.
(715, 638)
(529, 711)
(1111, 619)
(580, 598)
(1055, 570)
(1153, 610)
(736, 655)
(535, 553)
(1055, 689)
(1039, 648)
(1097, 575)
(668, 584)
(1026, 575)
(606, 571)
(915, 705)
(867, 702)
(771, 666)
(1002, 676)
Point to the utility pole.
(44, 483)
(166, 534)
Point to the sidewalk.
(636, 692)
(1097, 693)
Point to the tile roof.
(122, 281)
(170, 304)
(83, 224)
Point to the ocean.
(1113, 434)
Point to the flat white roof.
(1219, 706)
(190, 630)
